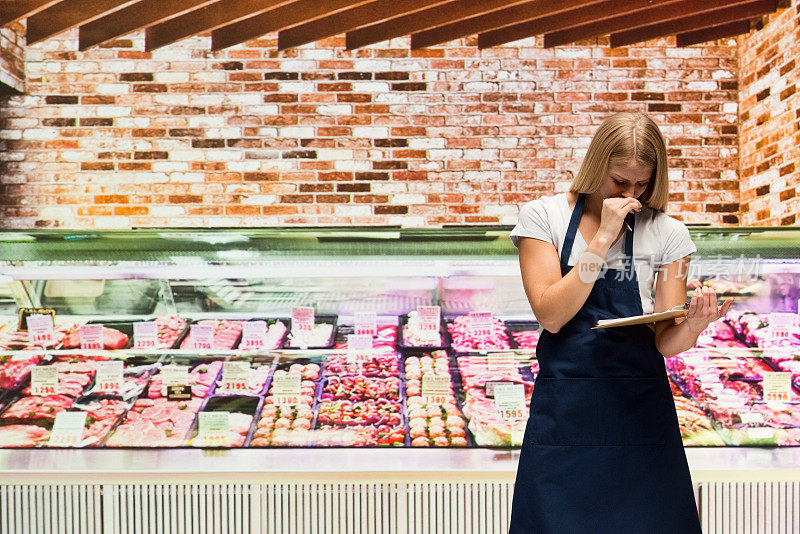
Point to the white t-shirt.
(658, 239)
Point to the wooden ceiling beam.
(693, 22)
(208, 18)
(14, 10)
(278, 19)
(576, 16)
(497, 19)
(142, 15)
(712, 33)
(68, 14)
(351, 19)
(422, 20)
(657, 13)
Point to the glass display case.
(237, 293)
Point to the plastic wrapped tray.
(318, 319)
(404, 348)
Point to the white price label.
(202, 337)
(40, 329)
(92, 337)
(502, 361)
(44, 380)
(213, 428)
(175, 375)
(761, 432)
(254, 335)
(751, 417)
(109, 376)
(509, 401)
(302, 320)
(365, 323)
(359, 347)
(145, 335)
(777, 386)
(286, 385)
(285, 400)
(67, 429)
(481, 323)
(791, 320)
(429, 318)
(235, 376)
(435, 389)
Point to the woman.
(602, 451)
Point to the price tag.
(109, 376)
(202, 336)
(481, 323)
(435, 389)
(24, 313)
(176, 379)
(235, 376)
(502, 361)
(429, 318)
(145, 335)
(359, 348)
(302, 321)
(286, 390)
(67, 429)
(777, 386)
(751, 417)
(44, 380)
(760, 433)
(791, 320)
(366, 323)
(213, 428)
(509, 400)
(254, 335)
(92, 337)
(40, 329)
(491, 384)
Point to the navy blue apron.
(602, 451)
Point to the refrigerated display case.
(362, 418)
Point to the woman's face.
(626, 178)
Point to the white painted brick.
(386, 188)
(51, 66)
(22, 123)
(370, 87)
(296, 132)
(206, 121)
(328, 154)
(722, 74)
(245, 99)
(408, 199)
(40, 133)
(113, 88)
(296, 87)
(172, 99)
(260, 200)
(171, 77)
(244, 166)
(480, 87)
(248, 188)
(268, 132)
(421, 143)
(334, 109)
(407, 222)
(55, 212)
(371, 131)
(480, 154)
(702, 86)
(170, 166)
(224, 155)
(187, 177)
(150, 177)
(133, 122)
(371, 65)
(443, 154)
(392, 97)
(317, 53)
(352, 210)
(113, 111)
(166, 211)
(209, 99)
(223, 133)
(509, 219)
(573, 53)
(80, 66)
(262, 109)
(111, 222)
(730, 107)
(431, 166)
(298, 65)
(186, 155)
(482, 175)
(352, 166)
(10, 134)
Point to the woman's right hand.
(615, 209)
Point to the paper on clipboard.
(677, 311)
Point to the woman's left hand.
(703, 309)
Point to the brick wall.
(116, 137)
(770, 120)
(12, 59)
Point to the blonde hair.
(625, 136)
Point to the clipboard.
(677, 311)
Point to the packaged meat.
(156, 423)
(226, 334)
(464, 340)
(413, 336)
(202, 378)
(322, 337)
(22, 435)
(14, 368)
(112, 339)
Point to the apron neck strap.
(572, 229)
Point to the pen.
(628, 226)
